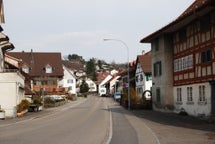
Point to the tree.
(75, 57)
(91, 69)
(84, 87)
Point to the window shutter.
(147, 77)
(160, 68)
(154, 69)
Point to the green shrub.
(37, 100)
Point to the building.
(45, 69)
(183, 61)
(11, 80)
(143, 75)
(69, 81)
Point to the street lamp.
(122, 42)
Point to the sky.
(79, 26)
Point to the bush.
(24, 104)
(37, 100)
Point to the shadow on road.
(170, 119)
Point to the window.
(158, 97)
(25, 69)
(202, 93)
(206, 56)
(69, 81)
(141, 77)
(189, 94)
(70, 88)
(183, 63)
(48, 69)
(179, 98)
(157, 45)
(157, 69)
(137, 78)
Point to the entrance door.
(212, 97)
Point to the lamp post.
(128, 77)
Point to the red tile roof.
(146, 62)
(101, 76)
(37, 62)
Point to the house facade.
(12, 92)
(45, 69)
(69, 81)
(143, 77)
(92, 85)
(184, 61)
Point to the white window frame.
(179, 97)
(189, 94)
(202, 96)
(48, 69)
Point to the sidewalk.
(177, 129)
(44, 112)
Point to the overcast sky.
(79, 26)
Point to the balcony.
(49, 89)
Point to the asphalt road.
(87, 123)
(100, 120)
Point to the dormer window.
(25, 69)
(48, 69)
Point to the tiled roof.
(146, 62)
(37, 62)
(196, 6)
(101, 76)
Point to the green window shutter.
(147, 77)
(158, 95)
(154, 69)
(160, 68)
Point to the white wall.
(196, 108)
(145, 85)
(165, 81)
(68, 81)
(12, 92)
(92, 85)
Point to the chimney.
(31, 56)
(143, 52)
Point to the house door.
(212, 97)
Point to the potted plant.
(2, 113)
(22, 108)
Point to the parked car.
(117, 96)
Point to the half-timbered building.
(184, 61)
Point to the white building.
(12, 92)
(143, 77)
(69, 81)
(92, 85)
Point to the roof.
(37, 62)
(146, 62)
(101, 76)
(197, 8)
